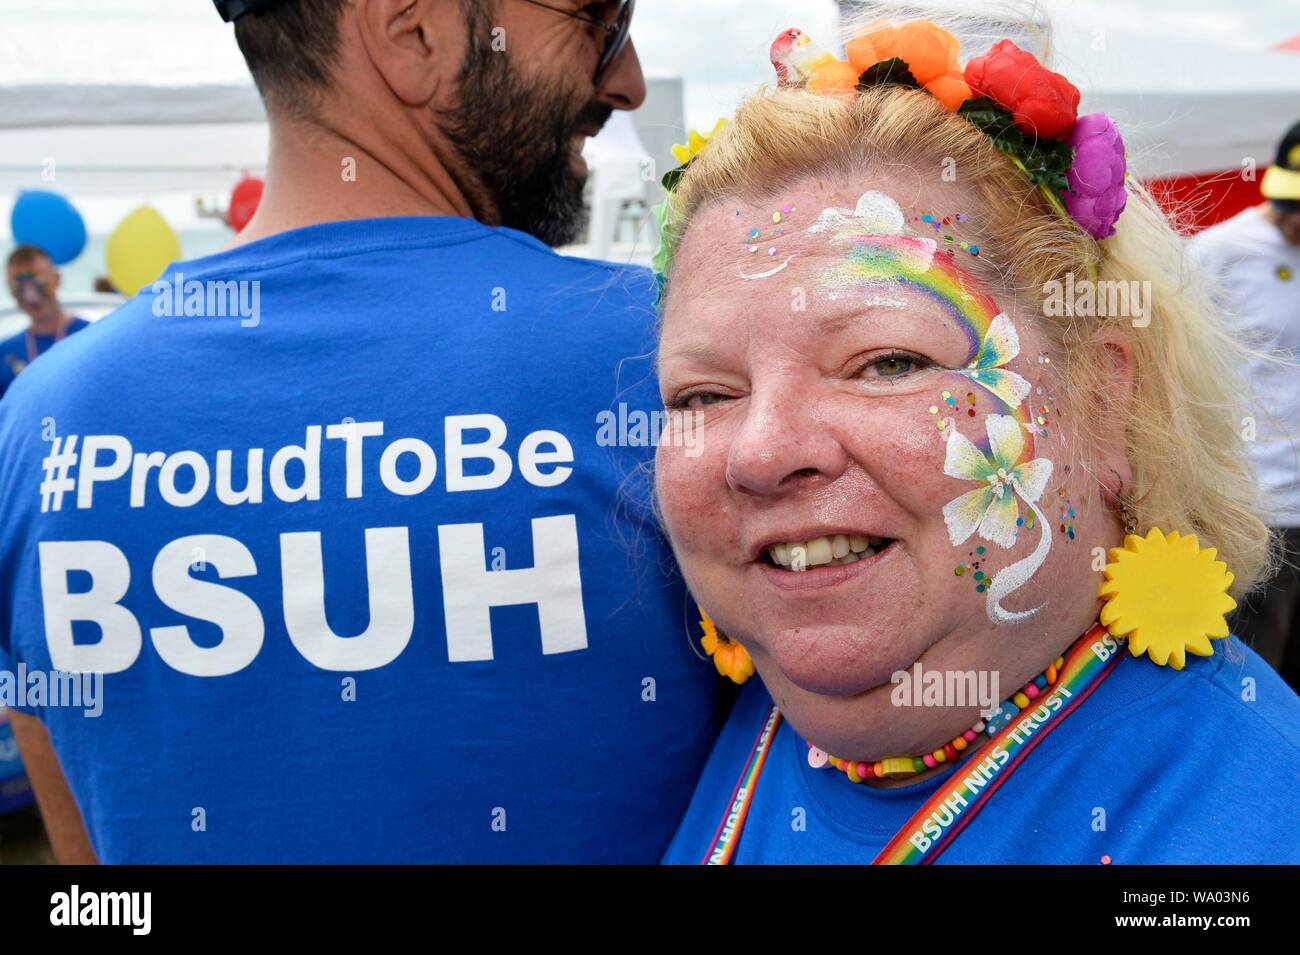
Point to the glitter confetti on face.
(936, 221)
(970, 567)
(754, 236)
(1066, 515)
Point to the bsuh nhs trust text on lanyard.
(937, 823)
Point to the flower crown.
(1029, 113)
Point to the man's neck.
(51, 324)
(323, 172)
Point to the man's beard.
(515, 138)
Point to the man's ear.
(1114, 361)
(415, 45)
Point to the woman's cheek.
(700, 516)
(904, 449)
(692, 496)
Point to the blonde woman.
(975, 515)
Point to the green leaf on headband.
(672, 176)
(994, 121)
(1045, 160)
(891, 72)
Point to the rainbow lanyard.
(933, 827)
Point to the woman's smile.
(811, 564)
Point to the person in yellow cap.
(1255, 258)
(1281, 186)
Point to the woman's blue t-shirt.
(1157, 766)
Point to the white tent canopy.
(1186, 103)
(91, 113)
(1185, 107)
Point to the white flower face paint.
(1000, 345)
(992, 510)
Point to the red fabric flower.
(1044, 104)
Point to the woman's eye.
(894, 365)
(698, 399)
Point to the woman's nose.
(785, 443)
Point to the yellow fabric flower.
(695, 143)
(1167, 595)
(731, 659)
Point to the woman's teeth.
(839, 549)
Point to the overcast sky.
(718, 46)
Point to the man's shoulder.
(60, 365)
(597, 275)
(399, 245)
(420, 264)
(13, 343)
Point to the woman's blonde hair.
(1190, 470)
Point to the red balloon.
(243, 202)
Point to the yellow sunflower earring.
(1166, 594)
(731, 659)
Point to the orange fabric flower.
(950, 89)
(729, 657)
(867, 48)
(837, 77)
(929, 51)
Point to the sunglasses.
(616, 29)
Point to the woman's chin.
(836, 659)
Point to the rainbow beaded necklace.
(934, 825)
(898, 766)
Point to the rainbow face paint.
(880, 251)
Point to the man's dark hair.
(513, 135)
(291, 50)
(27, 255)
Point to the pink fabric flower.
(1096, 194)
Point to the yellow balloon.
(139, 249)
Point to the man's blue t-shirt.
(19, 351)
(356, 521)
(1157, 766)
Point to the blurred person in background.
(1255, 257)
(438, 623)
(34, 284)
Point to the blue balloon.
(49, 222)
